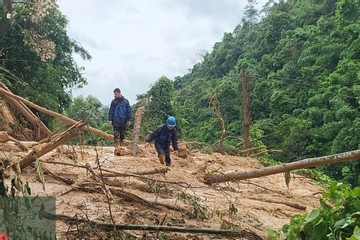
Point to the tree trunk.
(54, 143)
(41, 131)
(252, 149)
(136, 132)
(67, 120)
(286, 167)
(246, 107)
(109, 226)
(216, 104)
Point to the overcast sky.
(135, 42)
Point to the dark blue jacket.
(162, 135)
(120, 112)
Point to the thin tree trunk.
(251, 149)
(246, 107)
(67, 120)
(214, 101)
(109, 226)
(150, 172)
(136, 132)
(264, 152)
(286, 167)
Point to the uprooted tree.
(283, 168)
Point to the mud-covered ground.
(249, 205)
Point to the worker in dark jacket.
(163, 135)
(119, 116)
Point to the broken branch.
(54, 143)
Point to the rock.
(183, 151)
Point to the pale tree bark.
(47, 147)
(41, 131)
(136, 132)
(286, 167)
(214, 101)
(4, 137)
(67, 120)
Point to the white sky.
(135, 42)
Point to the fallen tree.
(160, 228)
(286, 167)
(47, 147)
(63, 118)
(41, 130)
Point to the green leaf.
(272, 234)
(312, 215)
(11, 154)
(357, 233)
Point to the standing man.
(119, 116)
(162, 136)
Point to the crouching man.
(162, 136)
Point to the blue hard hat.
(171, 121)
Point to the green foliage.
(197, 210)
(19, 210)
(90, 109)
(158, 105)
(336, 218)
(304, 59)
(37, 58)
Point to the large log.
(54, 143)
(41, 130)
(136, 132)
(67, 120)
(286, 167)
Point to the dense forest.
(303, 58)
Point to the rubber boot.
(117, 147)
(162, 158)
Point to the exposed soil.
(251, 204)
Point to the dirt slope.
(251, 205)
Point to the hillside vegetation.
(303, 60)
